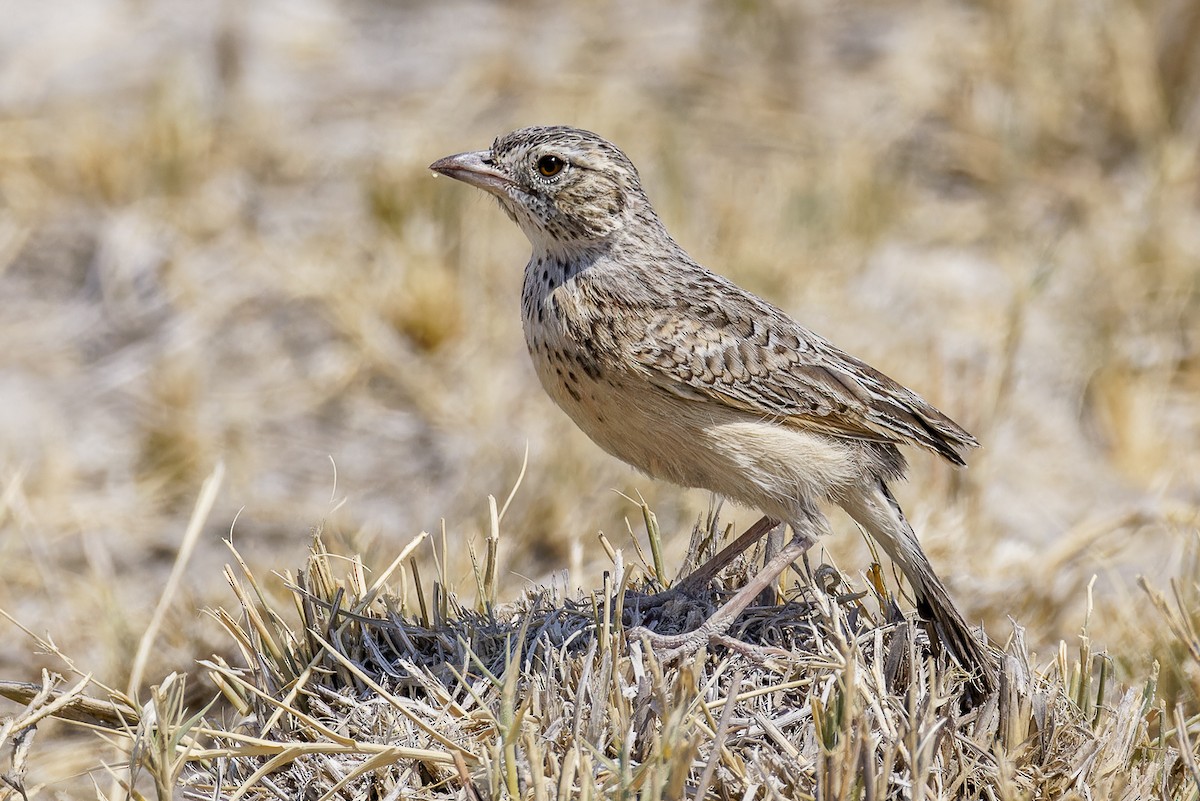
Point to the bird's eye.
(550, 166)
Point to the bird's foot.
(676, 647)
(670, 648)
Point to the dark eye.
(550, 166)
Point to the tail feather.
(950, 631)
(883, 519)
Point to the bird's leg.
(699, 577)
(772, 546)
(681, 645)
(695, 581)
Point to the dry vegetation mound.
(833, 694)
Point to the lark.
(692, 379)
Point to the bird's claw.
(674, 647)
(670, 648)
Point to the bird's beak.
(475, 169)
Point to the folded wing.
(751, 356)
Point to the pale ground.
(219, 242)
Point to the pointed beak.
(475, 169)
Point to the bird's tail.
(878, 512)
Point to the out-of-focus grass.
(218, 241)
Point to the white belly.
(780, 470)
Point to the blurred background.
(219, 242)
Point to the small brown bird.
(691, 379)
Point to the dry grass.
(380, 693)
(219, 244)
(546, 699)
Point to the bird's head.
(564, 187)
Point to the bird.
(691, 379)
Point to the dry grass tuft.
(374, 693)
(836, 697)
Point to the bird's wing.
(751, 356)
